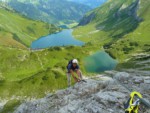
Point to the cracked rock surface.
(100, 95)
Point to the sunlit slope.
(18, 31)
(29, 73)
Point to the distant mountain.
(122, 26)
(115, 15)
(90, 3)
(51, 11)
(19, 31)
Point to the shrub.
(108, 45)
(127, 49)
(69, 47)
(147, 50)
(133, 44)
(51, 49)
(45, 78)
(57, 48)
(10, 106)
(147, 45)
(41, 83)
(33, 82)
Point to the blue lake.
(63, 38)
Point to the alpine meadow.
(96, 56)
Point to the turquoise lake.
(63, 38)
(99, 62)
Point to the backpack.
(70, 62)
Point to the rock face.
(103, 95)
(122, 76)
(131, 10)
(87, 19)
(125, 10)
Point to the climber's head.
(74, 62)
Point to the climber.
(71, 68)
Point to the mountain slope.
(51, 11)
(19, 31)
(90, 3)
(32, 74)
(118, 25)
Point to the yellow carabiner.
(132, 108)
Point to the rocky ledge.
(100, 95)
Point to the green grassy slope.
(32, 74)
(25, 73)
(18, 31)
(121, 26)
(138, 40)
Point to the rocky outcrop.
(87, 19)
(130, 10)
(100, 95)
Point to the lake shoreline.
(62, 38)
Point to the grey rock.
(147, 80)
(95, 96)
(122, 76)
(138, 80)
(87, 19)
(89, 97)
(145, 87)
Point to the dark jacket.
(70, 67)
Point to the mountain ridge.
(114, 23)
(93, 3)
(64, 11)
